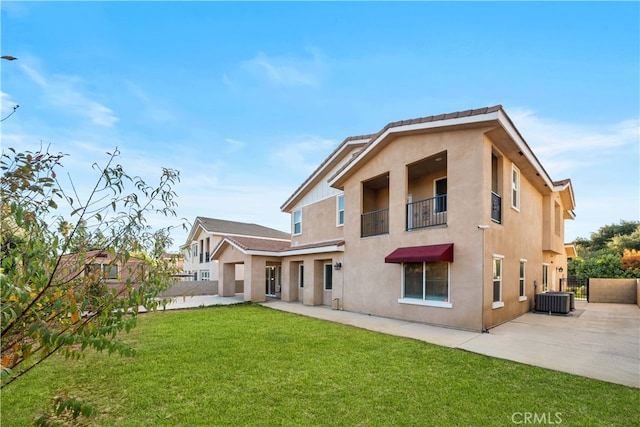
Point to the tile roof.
(271, 245)
(259, 244)
(427, 119)
(368, 139)
(221, 226)
(435, 118)
(337, 242)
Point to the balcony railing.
(427, 212)
(375, 222)
(496, 208)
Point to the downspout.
(483, 261)
(342, 296)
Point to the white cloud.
(7, 104)
(35, 76)
(234, 144)
(66, 93)
(564, 147)
(151, 108)
(14, 8)
(287, 70)
(304, 154)
(601, 161)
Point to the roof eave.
(337, 181)
(309, 251)
(523, 147)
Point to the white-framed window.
(515, 187)
(301, 275)
(340, 210)
(522, 280)
(297, 222)
(545, 277)
(497, 282)
(194, 251)
(426, 283)
(106, 271)
(204, 274)
(328, 277)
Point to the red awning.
(430, 253)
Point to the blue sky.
(246, 99)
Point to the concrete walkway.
(600, 341)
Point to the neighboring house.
(206, 233)
(175, 262)
(448, 220)
(111, 271)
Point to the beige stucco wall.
(190, 288)
(319, 223)
(622, 291)
(201, 287)
(553, 232)
(372, 286)
(313, 292)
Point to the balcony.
(374, 223)
(427, 213)
(496, 208)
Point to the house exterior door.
(272, 280)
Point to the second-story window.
(194, 251)
(515, 187)
(297, 222)
(340, 210)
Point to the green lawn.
(249, 365)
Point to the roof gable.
(221, 227)
(340, 154)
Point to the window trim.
(435, 194)
(301, 275)
(338, 210)
(104, 269)
(425, 302)
(293, 220)
(522, 281)
(545, 276)
(500, 302)
(515, 187)
(324, 276)
(108, 269)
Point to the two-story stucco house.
(448, 220)
(206, 233)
